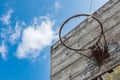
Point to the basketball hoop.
(96, 50)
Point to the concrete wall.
(70, 65)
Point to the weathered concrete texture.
(70, 65)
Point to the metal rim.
(101, 26)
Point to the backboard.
(71, 65)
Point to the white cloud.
(3, 50)
(6, 18)
(57, 5)
(36, 37)
(23, 23)
(14, 37)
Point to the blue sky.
(27, 30)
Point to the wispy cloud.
(45, 56)
(36, 37)
(6, 17)
(16, 34)
(57, 5)
(3, 51)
